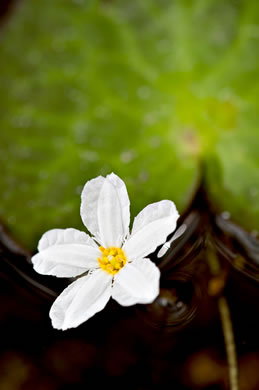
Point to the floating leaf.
(152, 90)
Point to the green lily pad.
(152, 90)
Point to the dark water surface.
(175, 342)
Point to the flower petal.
(105, 209)
(81, 300)
(137, 282)
(64, 236)
(151, 228)
(65, 253)
(89, 205)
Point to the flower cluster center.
(112, 260)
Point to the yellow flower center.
(112, 260)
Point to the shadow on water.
(144, 346)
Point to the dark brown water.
(176, 341)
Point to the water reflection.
(142, 346)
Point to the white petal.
(65, 253)
(64, 236)
(81, 300)
(89, 204)
(105, 209)
(151, 228)
(137, 282)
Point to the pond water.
(176, 341)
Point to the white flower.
(115, 267)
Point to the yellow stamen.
(112, 260)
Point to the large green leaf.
(152, 90)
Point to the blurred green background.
(162, 92)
